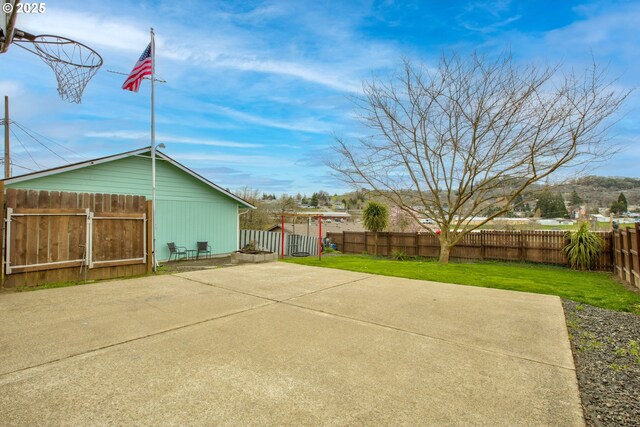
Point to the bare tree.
(284, 205)
(474, 133)
(254, 219)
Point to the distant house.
(278, 229)
(189, 207)
(599, 218)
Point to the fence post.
(482, 245)
(149, 236)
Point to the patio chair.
(203, 248)
(178, 251)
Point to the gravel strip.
(607, 357)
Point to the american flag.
(141, 69)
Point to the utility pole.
(7, 163)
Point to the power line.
(23, 167)
(25, 148)
(40, 142)
(19, 160)
(13, 163)
(21, 126)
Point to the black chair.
(203, 248)
(178, 251)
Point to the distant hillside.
(602, 190)
(595, 191)
(607, 182)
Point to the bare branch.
(474, 133)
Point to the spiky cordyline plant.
(583, 247)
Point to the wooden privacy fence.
(626, 244)
(272, 241)
(58, 237)
(519, 245)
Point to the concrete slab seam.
(288, 302)
(93, 350)
(213, 285)
(216, 285)
(326, 289)
(395, 328)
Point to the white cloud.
(229, 46)
(309, 72)
(98, 31)
(91, 29)
(10, 88)
(610, 32)
(235, 159)
(137, 135)
(308, 125)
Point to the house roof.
(138, 152)
(279, 227)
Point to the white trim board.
(138, 152)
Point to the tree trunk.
(445, 250)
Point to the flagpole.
(153, 153)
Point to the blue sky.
(257, 90)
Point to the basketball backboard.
(7, 23)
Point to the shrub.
(583, 247)
(253, 245)
(375, 216)
(399, 255)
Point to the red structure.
(319, 216)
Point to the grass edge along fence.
(538, 246)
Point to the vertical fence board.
(626, 247)
(41, 237)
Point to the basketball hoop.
(73, 62)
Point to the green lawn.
(599, 289)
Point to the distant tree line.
(619, 206)
(617, 183)
(551, 205)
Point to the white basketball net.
(73, 63)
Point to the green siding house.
(189, 208)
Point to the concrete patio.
(284, 344)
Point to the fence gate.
(48, 235)
(46, 239)
(115, 239)
(42, 239)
